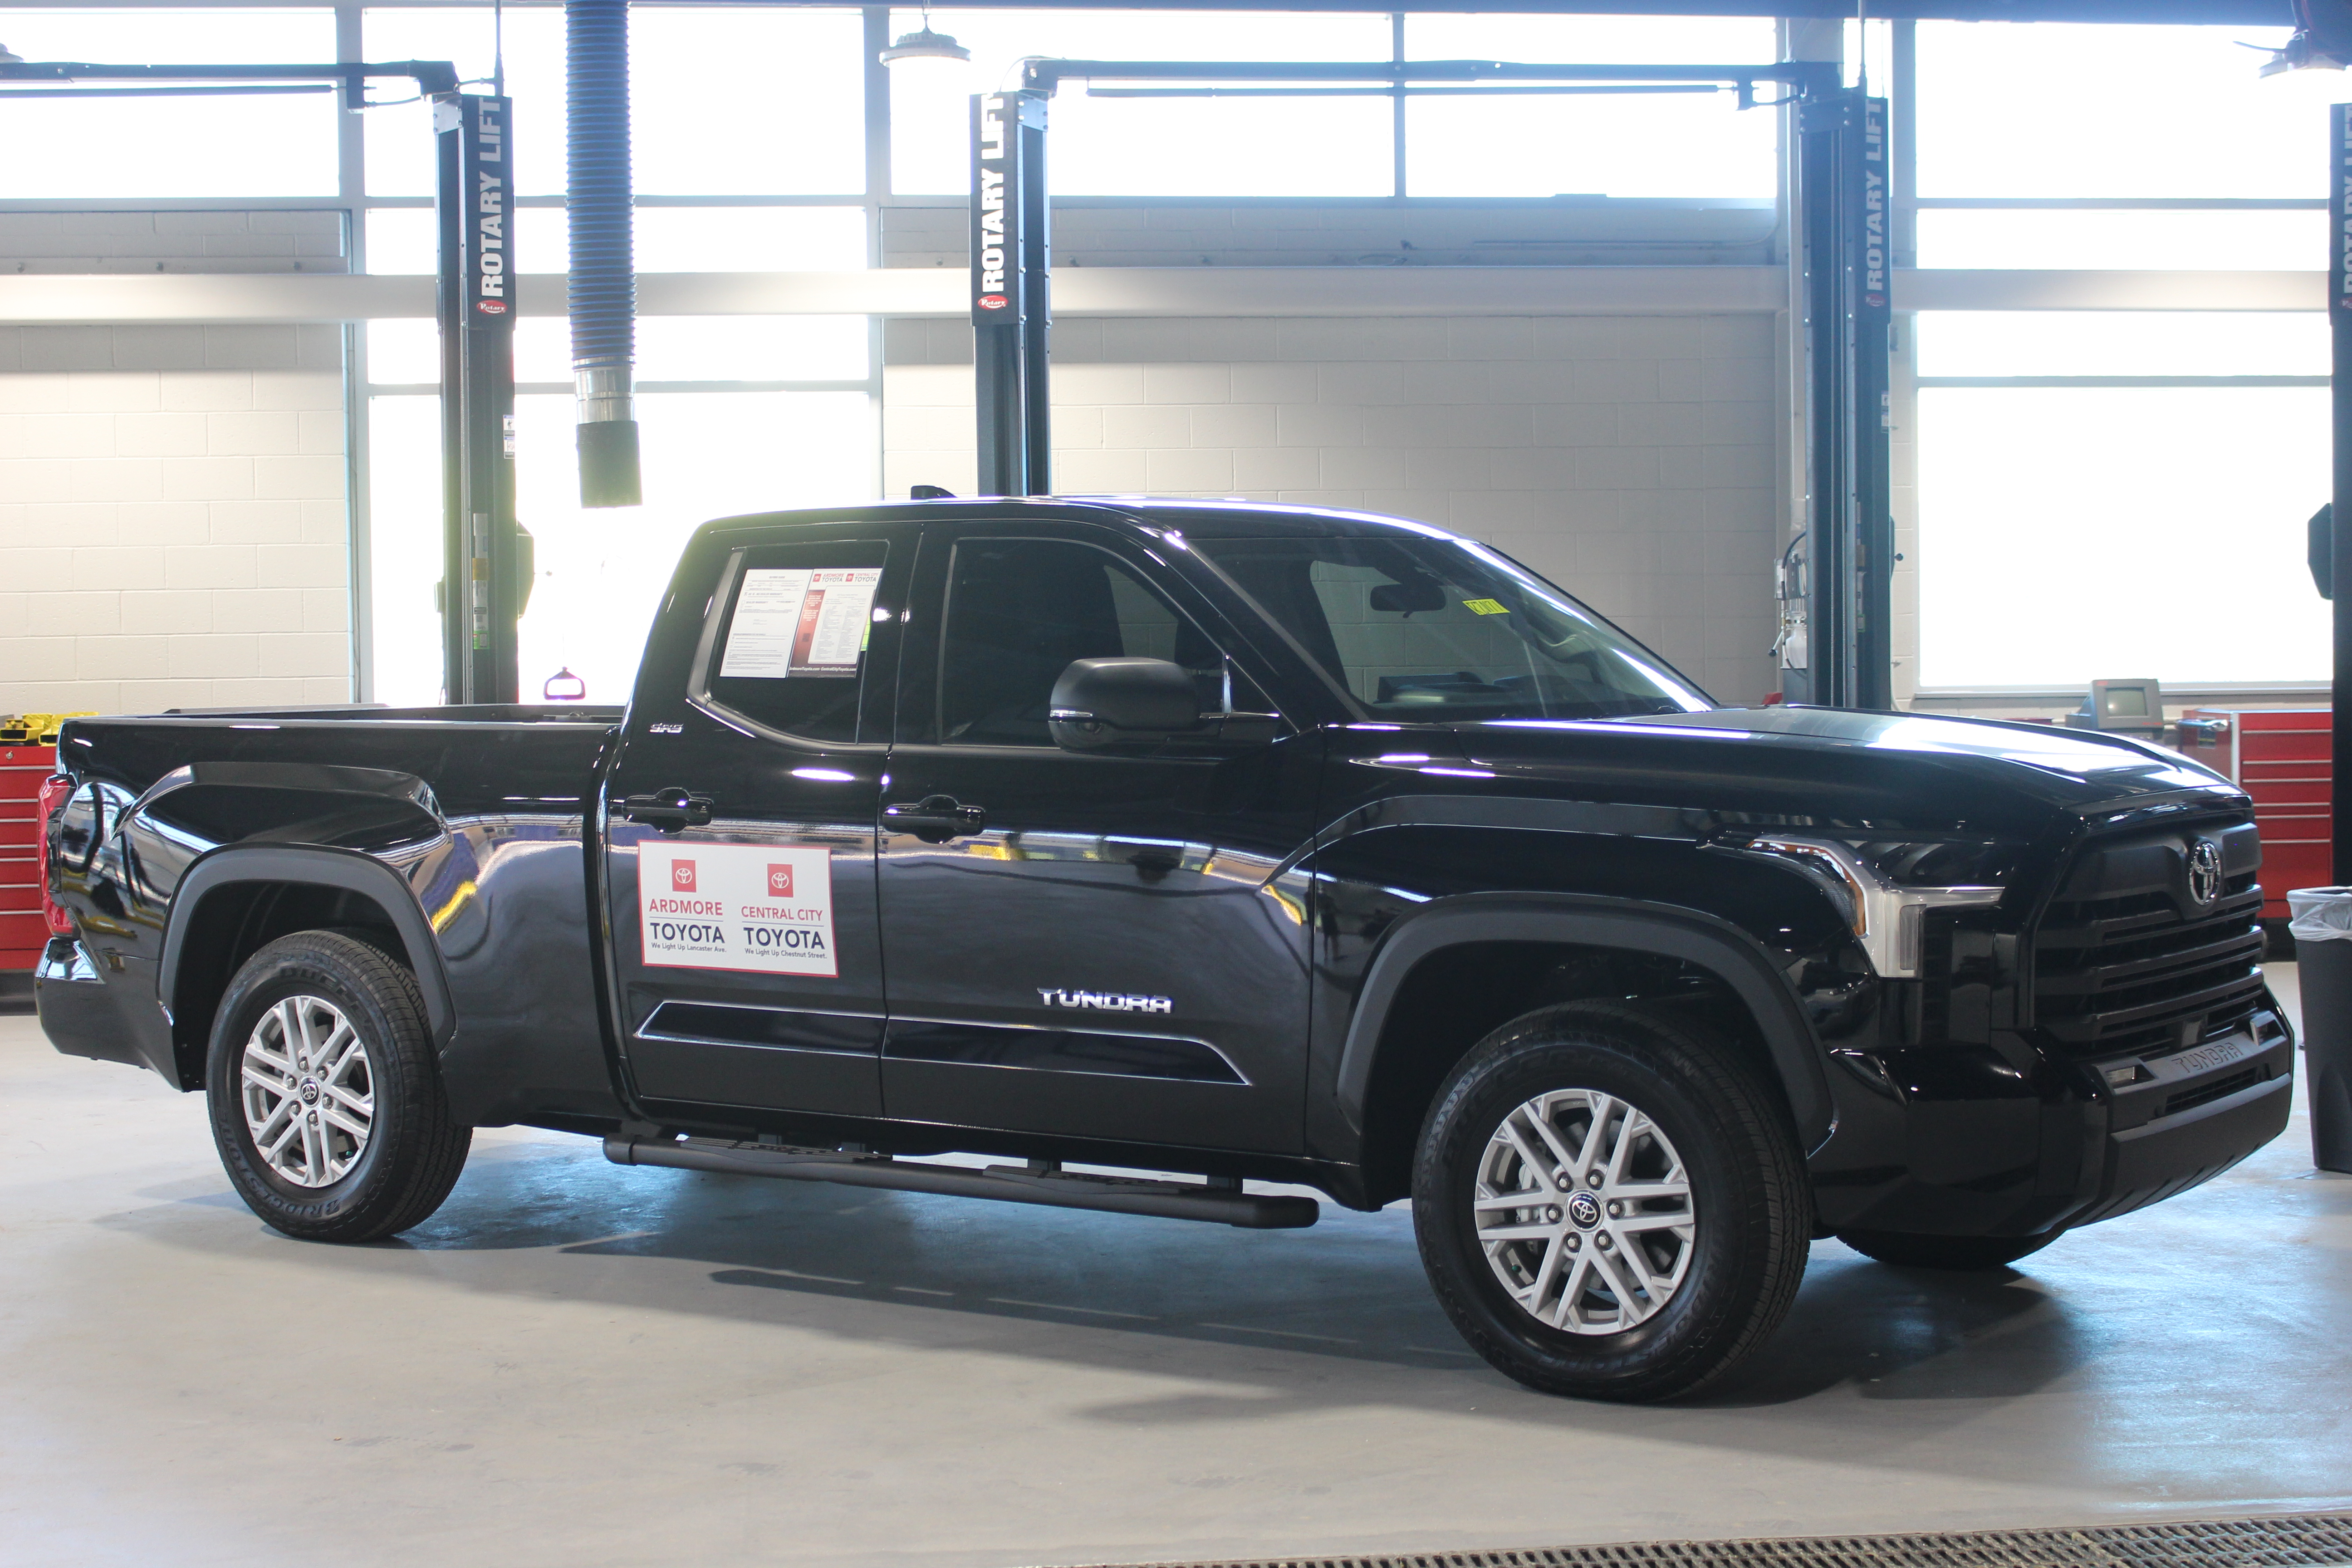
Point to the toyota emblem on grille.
(2205, 870)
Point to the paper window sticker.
(768, 614)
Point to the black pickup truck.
(1211, 843)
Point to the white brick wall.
(173, 242)
(1629, 459)
(171, 517)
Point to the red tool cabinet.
(21, 930)
(2281, 757)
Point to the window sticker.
(753, 908)
(1485, 607)
(796, 622)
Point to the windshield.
(1423, 630)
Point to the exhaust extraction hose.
(603, 290)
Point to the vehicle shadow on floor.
(919, 1270)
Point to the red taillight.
(56, 790)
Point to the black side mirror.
(1102, 703)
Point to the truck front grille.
(2140, 966)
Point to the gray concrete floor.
(580, 1364)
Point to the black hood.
(1834, 766)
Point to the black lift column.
(1011, 311)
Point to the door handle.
(667, 809)
(935, 818)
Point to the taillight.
(56, 790)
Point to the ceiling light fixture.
(925, 44)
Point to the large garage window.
(2121, 493)
(278, 144)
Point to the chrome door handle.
(935, 818)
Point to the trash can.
(2322, 928)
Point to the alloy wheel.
(309, 1091)
(1584, 1212)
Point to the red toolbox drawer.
(2284, 757)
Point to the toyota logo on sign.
(779, 881)
(2205, 870)
(681, 876)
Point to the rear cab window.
(788, 646)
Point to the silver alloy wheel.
(309, 1091)
(1584, 1212)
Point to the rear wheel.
(1608, 1204)
(326, 1101)
(1955, 1252)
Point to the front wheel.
(326, 1101)
(1954, 1252)
(1608, 1204)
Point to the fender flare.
(315, 866)
(1667, 930)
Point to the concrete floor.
(580, 1364)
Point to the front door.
(1107, 947)
(741, 823)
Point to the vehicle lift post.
(1839, 236)
(1842, 242)
(485, 570)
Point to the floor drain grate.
(2311, 1540)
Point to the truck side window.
(1019, 610)
(791, 632)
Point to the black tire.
(1752, 1212)
(412, 1150)
(1953, 1252)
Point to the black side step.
(1006, 1183)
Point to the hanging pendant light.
(925, 44)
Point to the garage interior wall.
(173, 527)
(184, 507)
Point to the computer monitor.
(2131, 707)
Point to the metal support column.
(2339, 394)
(484, 575)
(1850, 531)
(1010, 309)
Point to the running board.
(1006, 1183)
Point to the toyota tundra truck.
(1162, 852)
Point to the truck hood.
(1904, 769)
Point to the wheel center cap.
(311, 1097)
(1584, 1210)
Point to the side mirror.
(1102, 703)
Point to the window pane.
(1664, 145)
(1234, 147)
(750, 239)
(600, 573)
(1020, 610)
(765, 664)
(400, 146)
(752, 348)
(2056, 110)
(275, 145)
(2128, 241)
(705, 90)
(2122, 342)
(2148, 552)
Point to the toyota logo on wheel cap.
(2205, 871)
(1585, 1210)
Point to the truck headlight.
(1883, 886)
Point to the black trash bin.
(2322, 927)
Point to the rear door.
(741, 822)
(1107, 947)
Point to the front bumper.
(2002, 1140)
